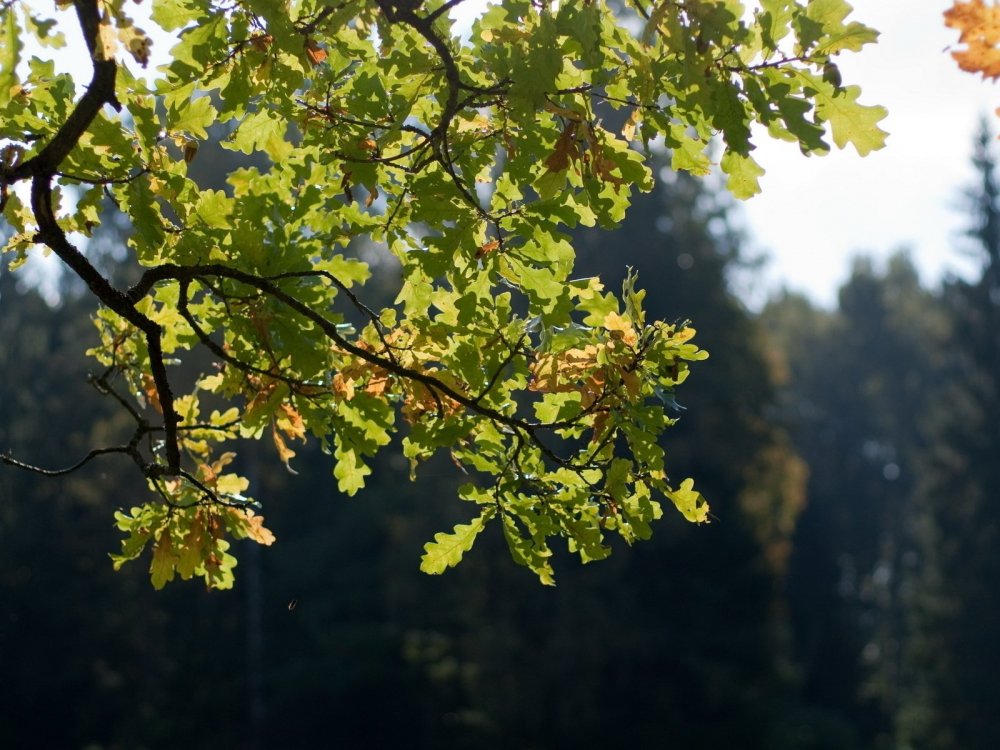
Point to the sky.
(816, 213)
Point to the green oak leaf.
(851, 122)
(447, 549)
(744, 174)
(382, 153)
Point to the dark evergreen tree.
(953, 655)
(855, 379)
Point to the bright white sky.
(815, 214)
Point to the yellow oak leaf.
(621, 326)
(558, 371)
(252, 525)
(161, 568)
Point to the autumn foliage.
(979, 27)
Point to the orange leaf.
(150, 392)
(290, 422)
(258, 532)
(421, 400)
(979, 27)
(314, 52)
(215, 527)
(345, 381)
(621, 328)
(377, 384)
(488, 248)
(207, 474)
(343, 386)
(285, 453)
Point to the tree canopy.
(466, 157)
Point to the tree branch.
(180, 273)
(100, 91)
(11, 461)
(43, 167)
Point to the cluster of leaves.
(465, 157)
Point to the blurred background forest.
(844, 596)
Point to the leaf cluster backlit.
(468, 159)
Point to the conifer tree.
(854, 376)
(953, 655)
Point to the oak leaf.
(290, 421)
(107, 40)
(487, 248)
(161, 568)
(555, 372)
(314, 52)
(285, 453)
(151, 392)
(251, 525)
(562, 154)
(979, 27)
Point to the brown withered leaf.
(420, 400)
(207, 474)
(190, 150)
(262, 42)
(258, 532)
(378, 383)
(561, 155)
(343, 387)
(287, 423)
(345, 185)
(376, 380)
